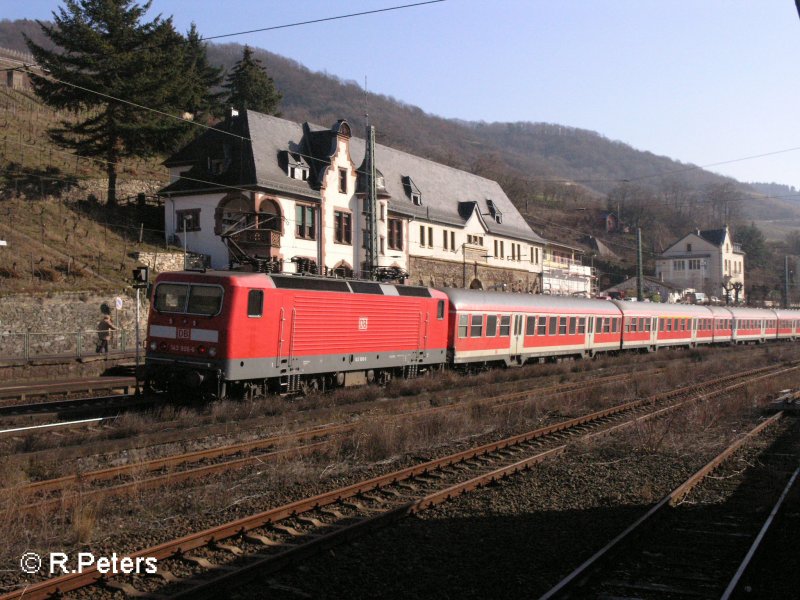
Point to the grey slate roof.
(714, 236)
(449, 196)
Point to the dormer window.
(494, 212)
(411, 190)
(294, 165)
(216, 166)
(300, 173)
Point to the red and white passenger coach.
(495, 327)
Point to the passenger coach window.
(530, 326)
(477, 326)
(562, 325)
(553, 326)
(582, 325)
(255, 303)
(542, 326)
(491, 325)
(615, 325)
(572, 325)
(505, 325)
(463, 325)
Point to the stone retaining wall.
(65, 312)
(442, 273)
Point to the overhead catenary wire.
(269, 28)
(27, 67)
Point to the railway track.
(25, 396)
(115, 481)
(77, 413)
(203, 563)
(59, 493)
(698, 540)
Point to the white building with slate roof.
(707, 261)
(295, 195)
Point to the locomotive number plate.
(362, 323)
(183, 334)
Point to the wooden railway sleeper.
(235, 550)
(425, 480)
(204, 563)
(313, 521)
(256, 538)
(166, 575)
(405, 485)
(125, 588)
(392, 492)
(374, 498)
(288, 529)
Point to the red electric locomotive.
(233, 333)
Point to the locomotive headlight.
(212, 351)
(153, 345)
(201, 349)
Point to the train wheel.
(310, 386)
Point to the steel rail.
(669, 500)
(50, 426)
(21, 391)
(233, 449)
(213, 537)
(264, 565)
(757, 542)
(497, 402)
(181, 546)
(109, 402)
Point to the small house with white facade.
(707, 261)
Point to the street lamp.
(186, 219)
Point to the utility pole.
(786, 281)
(371, 208)
(639, 276)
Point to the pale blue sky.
(700, 81)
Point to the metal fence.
(29, 345)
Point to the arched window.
(342, 269)
(476, 285)
(232, 213)
(269, 216)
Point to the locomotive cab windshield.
(181, 298)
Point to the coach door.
(590, 334)
(518, 335)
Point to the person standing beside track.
(104, 329)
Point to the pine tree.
(250, 88)
(203, 102)
(109, 64)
